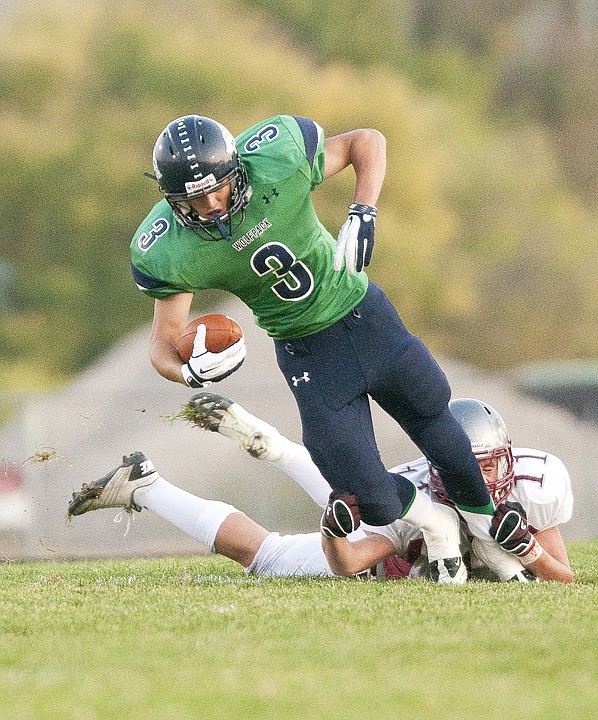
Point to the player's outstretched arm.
(348, 558)
(553, 563)
(341, 518)
(543, 554)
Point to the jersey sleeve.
(276, 148)
(155, 288)
(151, 263)
(313, 141)
(559, 484)
(543, 487)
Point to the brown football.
(221, 331)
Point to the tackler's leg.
(262, 441)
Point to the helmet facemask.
(215, 227)
(489, 440)
(502, 486)
(195, 156)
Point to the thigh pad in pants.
(416, 382)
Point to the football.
(221, 331)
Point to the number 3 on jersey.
(296, 281)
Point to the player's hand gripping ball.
(221, 332)
(211, 347)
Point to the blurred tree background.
(487, 238)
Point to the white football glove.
(205, 367)
(356, 239)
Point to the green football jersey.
(279, 262)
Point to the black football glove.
(510, 530)
(341, 516)
(356, 239)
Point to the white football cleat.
(448, 571)
(221, 415)
(115, 490)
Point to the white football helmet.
(489, 439)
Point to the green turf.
(194, 638)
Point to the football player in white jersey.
(537, 481)
(220, 527)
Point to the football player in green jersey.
(237, 215)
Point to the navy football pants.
(370, 353)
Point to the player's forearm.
(342, 562)
(553, 563)
(165, 359)
(348, 558)
(548, 568)
(368, 157)
(170, 317)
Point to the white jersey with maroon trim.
(542, 487)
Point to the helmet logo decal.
(157, 172)
(146, 240)
(265, 134)
(196, 185)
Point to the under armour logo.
(266, 198)
(297, 380)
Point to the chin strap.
(222, 229)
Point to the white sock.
(297, 463)
(420, 512)
(193, 515)
(505, 565)
(478, 523)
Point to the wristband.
(363, 209)
(532, 554)
(189, 378)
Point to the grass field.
(194, 638)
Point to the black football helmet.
(195, 156)
(489, 439)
